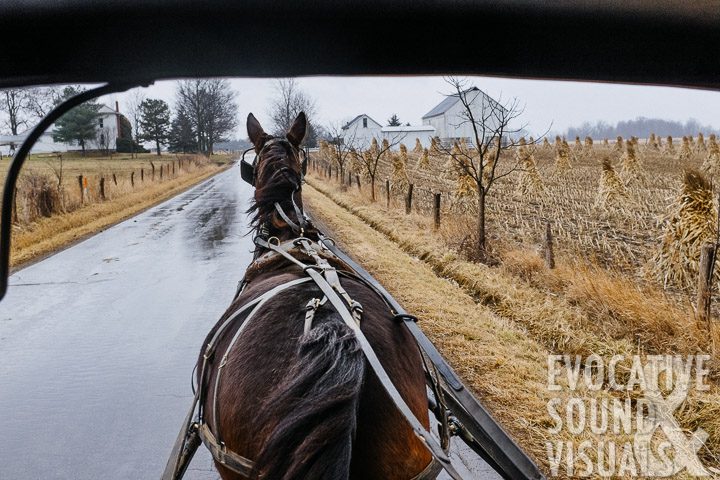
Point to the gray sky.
(548, 104)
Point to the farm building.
(107, 129)
(449, 118)
(362, 129)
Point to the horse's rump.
(263, 416)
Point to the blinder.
(247, 169)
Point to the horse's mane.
(278, 176)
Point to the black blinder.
(247, 169)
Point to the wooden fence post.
(387, 191)
(357, 179)
(436, 210)
(173, 164)
(142, 174)
(549, 253)
(132, 179)
(82, 190)
(704, 294)
(153, 170)
(161, 170)
(408, 199)
(15, 213)
(114, 179)
(102, 188)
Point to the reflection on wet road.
(98, 342)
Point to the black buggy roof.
(64, 41)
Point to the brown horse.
(301, 404)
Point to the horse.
(294, 402)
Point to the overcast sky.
(548, 104)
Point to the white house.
(362, 129)
(107, 131)
(450, 119)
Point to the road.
(98, 341)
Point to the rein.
(327, 278)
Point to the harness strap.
(233, 461)
(430, 472)
(327, 289)
(210, 348)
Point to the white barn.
(450, 119)
(362, 129)
(408, 133)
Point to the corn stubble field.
(628, 218)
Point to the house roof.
(410, 128)
(449, 101)
(345, 127)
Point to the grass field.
(497, 324)
(52, 211)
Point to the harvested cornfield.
(691, 222)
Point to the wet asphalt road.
(98, 341)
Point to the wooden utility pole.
(436, 210)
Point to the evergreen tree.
(155, 122)
(79, 124)
(182, 135)
(394, 121)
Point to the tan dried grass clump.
(374, 148)
(700, 145)
(669, 147)
(400, 178)
(530, 182)
(631, 167)
(434, 146)
(685, 150)
(424, 160)
(562, 157)
(611, 189)
(691, 223)
(546, 144)
(418, 146)
(578, 146)
(619, 144)
(588, 144)
(712, 160)
(652, 142)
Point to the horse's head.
(278, 177)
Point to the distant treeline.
(640, 127)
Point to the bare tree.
(133, 105)
(57, 169)
(290, 100)
(342, 145)
(489, 154)
(24, 106)
(209, 105)
(102, 140)
(371, 155)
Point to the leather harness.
(327, 278)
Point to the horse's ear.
(255, 132)
(297, 131)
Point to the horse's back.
(259, 363)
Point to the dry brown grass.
(37, 234)
(523, 311)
